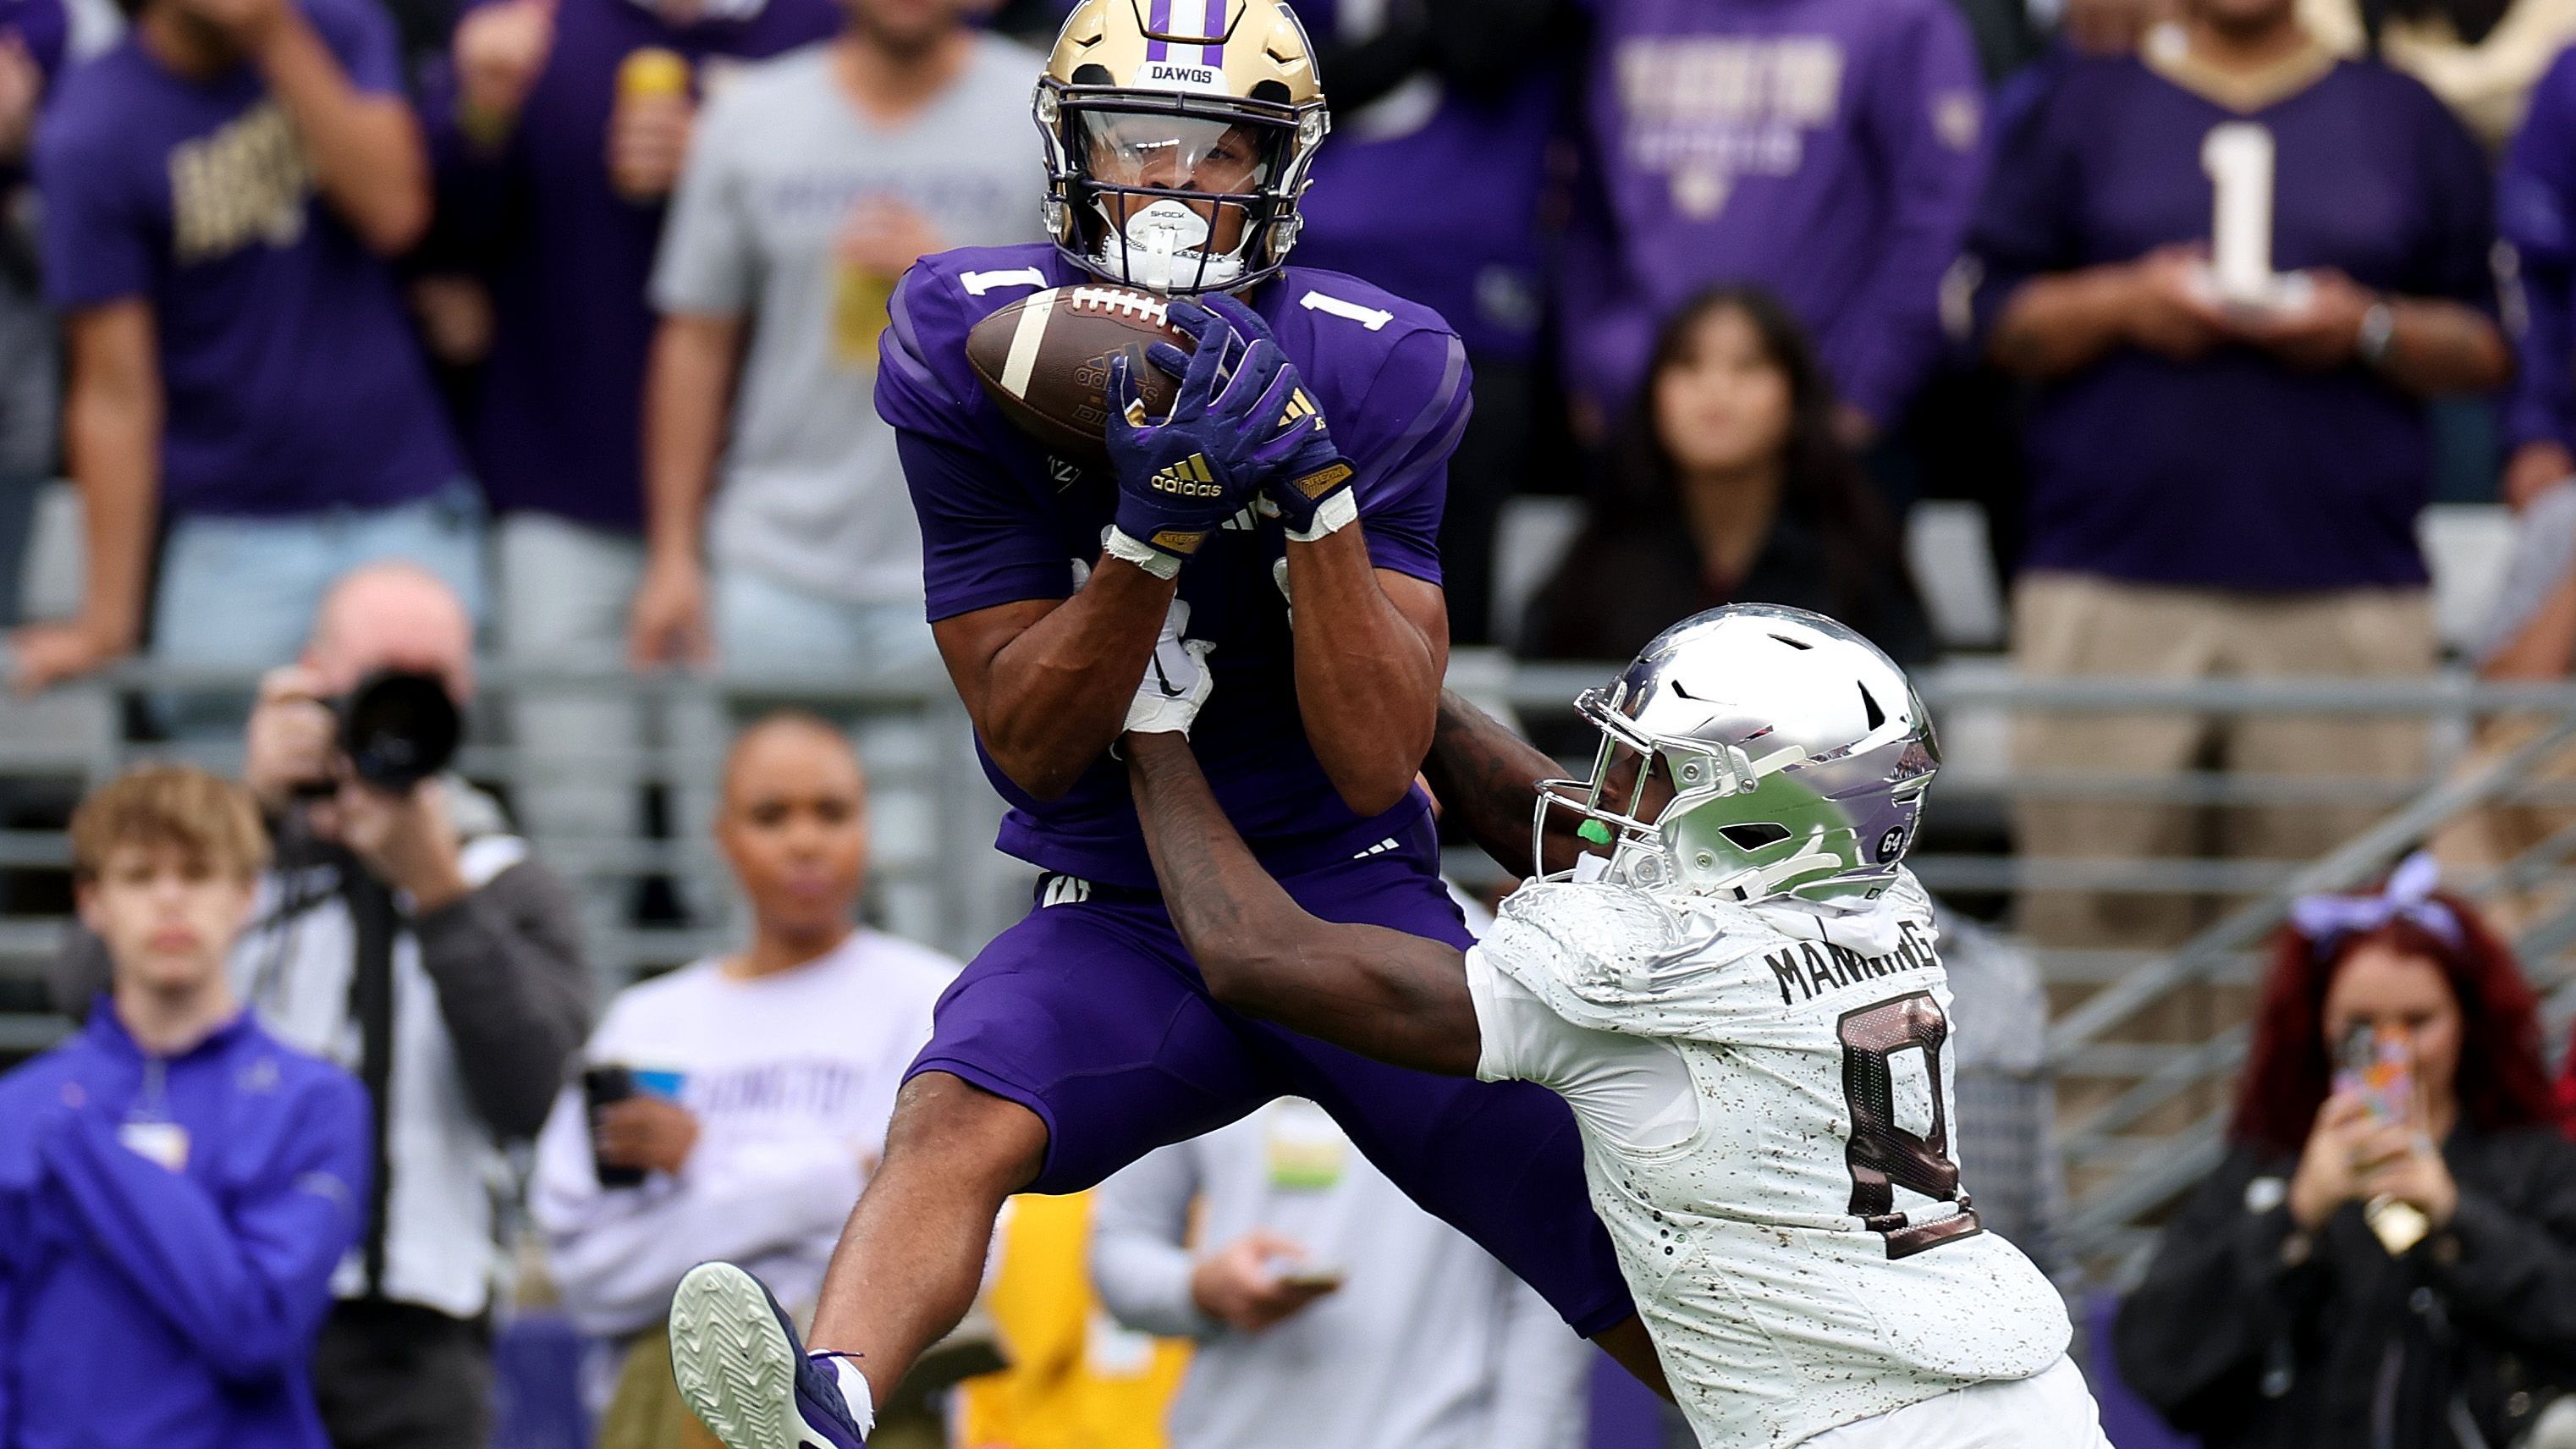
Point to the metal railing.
(63, 743)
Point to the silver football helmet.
(1794, 753)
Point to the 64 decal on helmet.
(1795, 753)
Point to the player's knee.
(967, 1136)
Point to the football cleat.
(743, 1371)
(1179, 135)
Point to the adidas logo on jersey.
(1188, 478)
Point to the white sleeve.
(1540, 1383)
(617, 1255)
(1635, 1091)
(1140, 1261)
(708, 261)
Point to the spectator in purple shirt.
(2227, 489)
(34, 36)
(558, 146)
(2536, 213)
(221, 192)
(1827, 149)
(1465, 96)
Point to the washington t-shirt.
(291, 379)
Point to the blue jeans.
(765, 626)
(242, 592)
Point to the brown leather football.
(1045, 360)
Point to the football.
(1045, 360)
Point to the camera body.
(397, 728)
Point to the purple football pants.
(1090, 1013)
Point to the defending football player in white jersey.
(1734, 982)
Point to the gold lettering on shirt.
(245, 183)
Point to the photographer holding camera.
(404, 933)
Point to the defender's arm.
(1486, 778)
(1379, 992)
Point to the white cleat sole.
(736, 1368)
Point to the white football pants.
(2052, 1409)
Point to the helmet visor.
(1165, 151)
(1170, 201)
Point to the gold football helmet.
(1179, 134)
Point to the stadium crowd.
(394, 334)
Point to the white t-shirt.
(813, 495)
(1764, 1099)
(792, 1079)
(1428, 1343)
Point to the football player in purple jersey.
(1303, 464)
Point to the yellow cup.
(859, 298)
(651, 73)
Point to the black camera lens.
(398, 728)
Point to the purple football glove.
(1181, 477)
(1313, 473)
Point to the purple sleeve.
(912, 392)
(99, 241)
(1609, 329)
(2458, 258)
(475, 183)
(1419, 403)
(980, 545)
(245, 1282)
(2025, 225)
(2536, 213)
(1920, 112)
(983, 541)
(44, 27)
(16, 1237)
(361, 36)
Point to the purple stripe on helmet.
(1158, 21)
(1214, 26)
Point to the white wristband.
(1332, 515)
(1120, 544)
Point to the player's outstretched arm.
(1382, 993)
(1486, 778)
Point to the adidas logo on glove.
(1188, 478)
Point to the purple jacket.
(177, 1308)
(558, 428)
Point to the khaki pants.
(2071, 624)
(2481, 840)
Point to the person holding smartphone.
(2388, 1251)
(1325, 1308)
(735, 1107)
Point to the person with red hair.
(2387, 1255)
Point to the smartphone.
(2377, 1064)
(1307, 1275)
(600, 1087)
